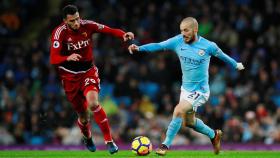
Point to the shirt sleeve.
(217, 52)
(56, 45)
(168, 44)
(100, 28)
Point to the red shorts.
(76, 86)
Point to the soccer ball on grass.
(141, 145)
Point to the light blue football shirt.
(194, 59)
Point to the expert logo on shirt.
(77, 45)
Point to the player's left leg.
(197, 99)
(101, 119)
(199, 126)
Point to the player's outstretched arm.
(168, 44)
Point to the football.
(141, 146)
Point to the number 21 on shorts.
(193, 95)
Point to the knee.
(92, 100)
(93, 104)
(178, 111)
(181, 109)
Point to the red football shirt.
(65, 41)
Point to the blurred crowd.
(139, 91)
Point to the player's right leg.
(174, 126)
(84, 125)
(80, 106)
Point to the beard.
(73, 28)
(191, 40)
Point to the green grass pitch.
(129, 154)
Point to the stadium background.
(140, 91)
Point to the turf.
(128, 154)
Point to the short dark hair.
(69, 9)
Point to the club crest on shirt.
(56, 44)
(201, 52)
(84, 34)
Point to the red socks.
(85, 129)
(102, 121)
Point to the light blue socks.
(175, 125)
(203, 128)
(172, 130)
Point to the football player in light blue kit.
(194, 53)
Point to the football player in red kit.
(71, 52)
